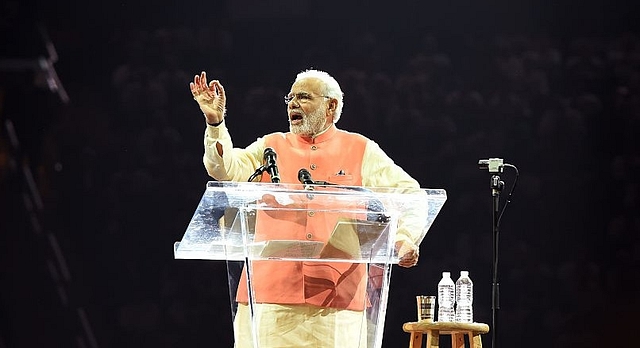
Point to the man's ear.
(333, 104)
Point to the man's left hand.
(408, 254)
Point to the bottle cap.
(464, 273)
(446, 274)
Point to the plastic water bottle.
(446, 298)
(464, 298)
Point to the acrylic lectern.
(326, 247)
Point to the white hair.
(331, 88)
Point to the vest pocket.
(345, 180)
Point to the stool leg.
(457, 339)
(477, 341)
(415, 340)
(433, 339)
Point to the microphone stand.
(496, 188)
(495, 166)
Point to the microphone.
(305, 177)
(270, 164)
(494, 165)
(375, 208)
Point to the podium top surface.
(251, 190)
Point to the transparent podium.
(307, 263)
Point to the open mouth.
(295, 118)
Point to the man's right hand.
(210, 97)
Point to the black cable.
(258, 171)
(515, 182)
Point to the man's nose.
(293, 104)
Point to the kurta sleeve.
(223, 162)
(379, 170)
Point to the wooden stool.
(435, 329)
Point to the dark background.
(96, 190)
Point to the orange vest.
(336, 157)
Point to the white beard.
(312, 124)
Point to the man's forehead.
(309, 84)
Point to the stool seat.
(433, 330)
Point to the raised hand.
(210, 97)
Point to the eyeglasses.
(302, 97)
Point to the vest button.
(311, 213)
(313, 166)
(313, 147)
(309, 235)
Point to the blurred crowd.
(122, 165)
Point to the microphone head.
(304, 176)
(269, 152)
(494, 165)
(303, 173)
